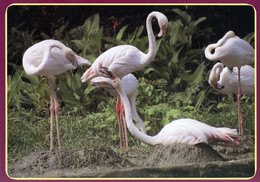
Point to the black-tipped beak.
(75, 71)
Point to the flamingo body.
(181, 131)
(129, 84)
(49, 58)
(231, 51)
(228, 82)
(125, 59)
(191, 132)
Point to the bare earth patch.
(162, 161)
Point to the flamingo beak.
(162, 31)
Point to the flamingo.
(124, 59)
(232, 52)
(181, 131)
(228, 79)
(49, 58)
(129, 84)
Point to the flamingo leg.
(124, 122)
(119, 120)
(240, 117)
(51, 114)
(54, 108)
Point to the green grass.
(28, 129)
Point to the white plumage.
(232, 52)
(125, 59)
(49, 58)
(181, 131)
(129, 84)
(225, 81)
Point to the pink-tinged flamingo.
(225, 81)
(181, 131)
(129, 84)
(49, 58)
(125, 59)
(232, 52)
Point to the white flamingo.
(224, 80)
(49, 58)
(130, 84)
(181, 131)
(125, 59)
(232, 52)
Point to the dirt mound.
(182, 154)
(159, 161)
(42, 163)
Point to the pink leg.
(51, 114)
(56, 109)
(123, 114)
(119, 120)
(240, 117)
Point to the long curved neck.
(45, 59)
(216, 56)
(136, 117)
(129, 121)
(215, 72)
(152, 42)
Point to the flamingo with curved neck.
(223, 80)
(49, 58)
(232, 52)
(129, 84)
(181, 131)
(125, 59)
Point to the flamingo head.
(69, 54)
(109, 83)
(163, 23)
(214, 75)
(102, 82)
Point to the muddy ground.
(162, 161)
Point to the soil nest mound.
(182, 154)
(39, 163)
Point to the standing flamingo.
(181, 131)
(232, 52)
(125, 59)
(49, 58)
(227, 82)
(129, 84)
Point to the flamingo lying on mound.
(49, 58)
(125, 59)
(129, 84)
(232, 52)
(181, 131)
(227, 82)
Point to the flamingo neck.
(151, 140)
(214, 75)
(218, 55)
(151, 39)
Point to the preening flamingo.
(129, 84)
(181, 131)
(225, 81)
(232, 52)
(125, 59)
(49, 58)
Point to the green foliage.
(176, 59)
